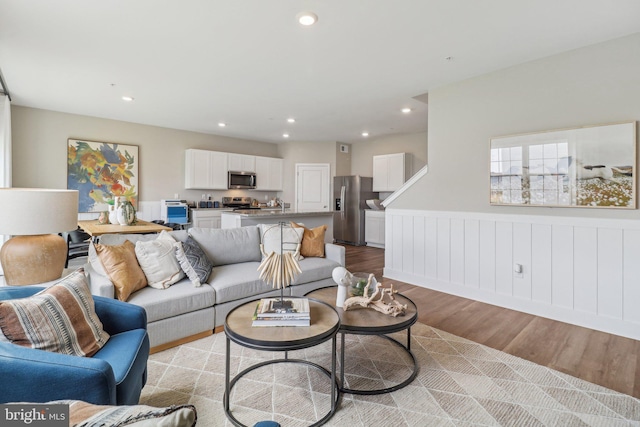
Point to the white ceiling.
(192, 63)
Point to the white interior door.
(313, 187)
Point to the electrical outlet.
(518, 270)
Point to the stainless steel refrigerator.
(350, 194)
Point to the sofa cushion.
(119, 352)
(158, 261)
(121, 265)
(118, 239)
(236, 281)
(275, 239)
(315, 269)
(228, 245)
(178, 299)
(60, 319)
(194, 261)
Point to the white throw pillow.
(94, 260)
(158, 261)
(270, 239)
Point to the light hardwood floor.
(608, 360)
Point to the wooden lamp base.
(28, 260)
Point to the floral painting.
(101, 171)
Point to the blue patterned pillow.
(193, 261)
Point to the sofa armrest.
(29, 375)
(335, 253)
(117, 316)
(98, 284)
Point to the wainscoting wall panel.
(579, 270)
(147, 211)
(631, 272)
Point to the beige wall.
(363, 152)
(303, 152)
(343, 160)
(40, 151)
(592, 85)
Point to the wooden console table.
(96, 230)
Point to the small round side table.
(370, 322)
(325, 323)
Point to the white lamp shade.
(34, 211)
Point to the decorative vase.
(342, 277)
(126, 213)
(113, 214)
(359, 282)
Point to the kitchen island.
(242, 218)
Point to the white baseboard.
(587, 320)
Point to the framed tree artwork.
(101, 171)
(588, 167)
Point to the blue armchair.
(114, 375)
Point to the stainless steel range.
(238, 203)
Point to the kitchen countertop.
(256, 213)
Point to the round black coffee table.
(325, 323)
(367, 321)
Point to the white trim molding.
(583, 271)
(5, 147)
(422, 172)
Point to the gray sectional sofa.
(183, 310)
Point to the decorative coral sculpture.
(377, 300)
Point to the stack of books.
(282, 312)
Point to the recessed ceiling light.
(406, 110)
(127, 98)
(365, 134)
(307, 18)
(221, 124)
(285, 135)
(291, 120)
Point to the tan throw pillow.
(121, 265)
(61, 318)
(312, 240)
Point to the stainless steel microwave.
(246, 180)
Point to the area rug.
(460, 383)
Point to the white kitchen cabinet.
(205, 170)
(374, 228)
(390, 171)
(207, 218)
(241, 162)
(268, 174)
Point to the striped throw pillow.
(61, 319)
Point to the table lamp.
(31, 215)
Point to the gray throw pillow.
(193, 261)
